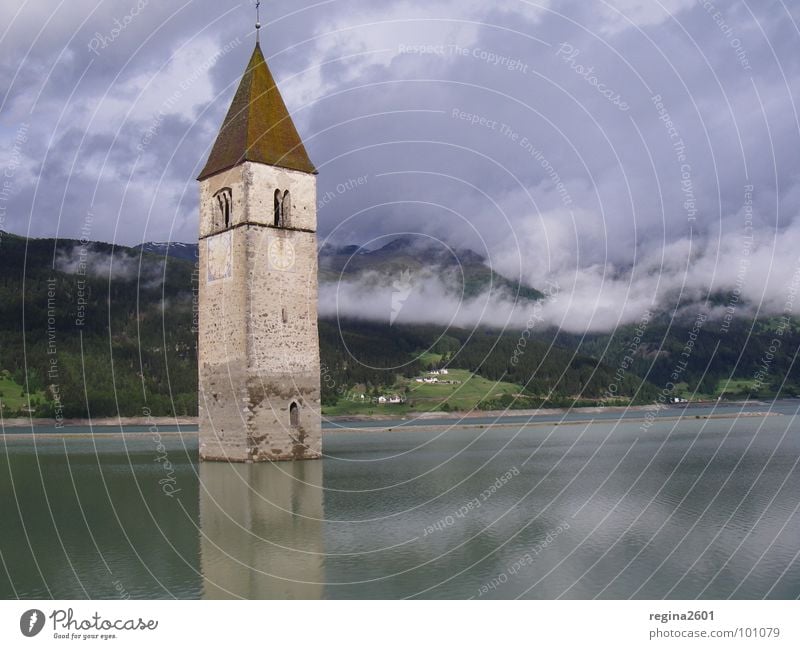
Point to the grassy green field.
(426, 397)
(367, 408)
(473, 389)
(12, 395)
(735, 386)
(463, 396)
(726, 389)
(429, 359)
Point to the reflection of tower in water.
(261, 530)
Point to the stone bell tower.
(258, 348)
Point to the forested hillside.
(93, 329)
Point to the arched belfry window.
(224, 205)
(286, 209)
(294, 415)
(278, 209)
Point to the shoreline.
(434, 420)
(25, 422)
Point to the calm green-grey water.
(683, 508)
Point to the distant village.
(433, 376)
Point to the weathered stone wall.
(258, 339)
(283, 300)
(253, 188)
(233, 178)
(264, 180)
(222, 347)
(283, 341)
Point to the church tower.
(258, 347)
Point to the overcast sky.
(607, 146)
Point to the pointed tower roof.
(258, 127)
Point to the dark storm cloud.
(606, 146)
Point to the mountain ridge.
(95, 329)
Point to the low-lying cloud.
(740, 275)
(121, 266)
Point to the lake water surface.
(688, 505)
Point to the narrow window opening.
(284, 315)
(224, 203)
(294, 415)
(286, 209)
(278, 209)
